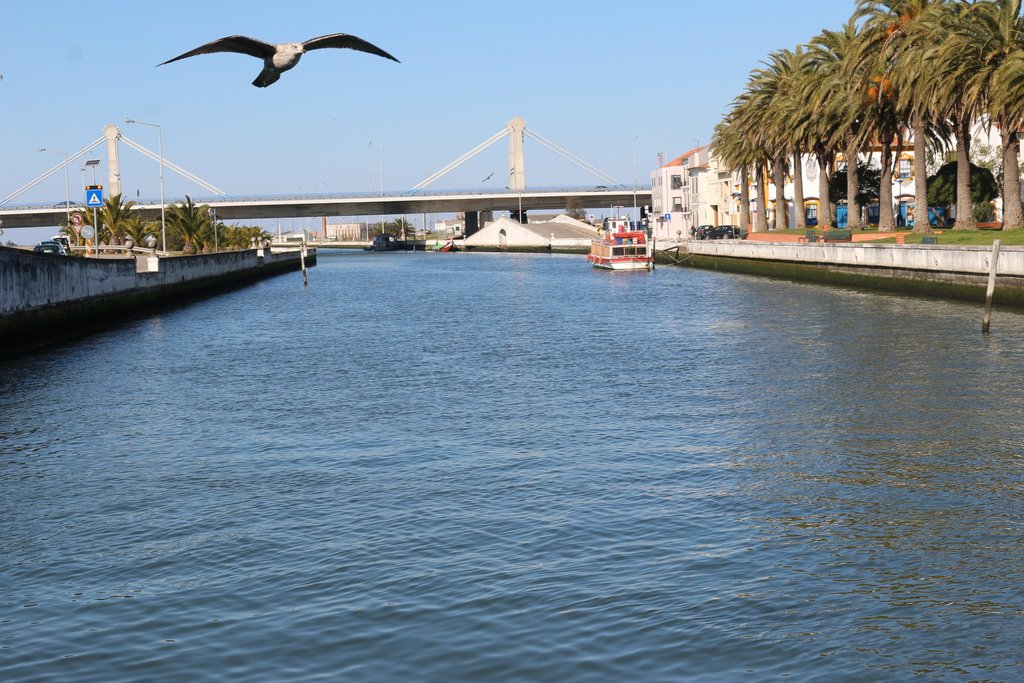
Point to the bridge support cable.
(174, 167)
(573, 158)
(74, 157)
(464, 158)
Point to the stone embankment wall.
(45, 298)
(935, 270)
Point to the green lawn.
(1013, 238)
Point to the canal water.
(494, 467)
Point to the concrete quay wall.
(932, 270)
(46, 298)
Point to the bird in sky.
(487, 178)
(279, 58)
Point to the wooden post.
(986, 320)
(302, 259)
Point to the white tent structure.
(504, 233)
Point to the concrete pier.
(959, 272)
(46, 298)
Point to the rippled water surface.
(477, 467)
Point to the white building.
(697, 188)
(345, 232)
(563, 231)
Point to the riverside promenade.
(955, 272)
(46, 298)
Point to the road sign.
(94, 195)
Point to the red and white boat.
(620, 247)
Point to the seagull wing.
(346, 41)
(241, 44)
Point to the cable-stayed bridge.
(516, 198)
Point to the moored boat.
(620, 247)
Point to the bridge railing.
(466, 192)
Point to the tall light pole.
(160, 142)
(635, 217)
(67, 189)
(369, 174)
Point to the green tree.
(943, 188)
(990, 43)
(401, 228)
(835, 105)
(190, 223)
(733, 145)
(113, 216)
(896, 47)
(947, 84)
(868, 182)
(137, 228)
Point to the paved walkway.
(857, 236)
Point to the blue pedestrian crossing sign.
(94, 195)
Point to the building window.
(677, 182)
(873, 214)
(677, 203)
(904, 169)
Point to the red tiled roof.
(678, 161)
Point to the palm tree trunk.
(1013, 211)
(885, 222)
(799, 213)
(853, 221)
(745, 198)
(964, 204)
(779, 179)
(921, 220)
(761, 219)
(826, 217)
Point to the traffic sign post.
(94, 198)
(94, 195)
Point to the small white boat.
(619, 247)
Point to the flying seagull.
(279, 58)
(487, 178)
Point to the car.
(718, 232)
(63, 241)
(50, 247)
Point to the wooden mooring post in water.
(986, 319)
(302, 259)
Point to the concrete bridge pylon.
(112, 133)
(113, 137)
(516, 131)
(516, 160)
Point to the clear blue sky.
(590, 76)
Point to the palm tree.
(900, 49)
(731, 145)
(189, 222)
(750, 115)
(400, 227)
(947, 88)
(112, 218)
(137, 228)
(991, 43)
(774, 105)
(115, 215)
(834, 118)
(882, 120)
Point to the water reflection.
(464, 467)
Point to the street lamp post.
(160, 142)
(635, 217)
(67, 187)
